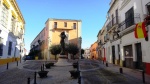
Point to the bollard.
(28, 80)
(43, 67)
(34, 78)
(7, 65)
(79, 80)
(143, 76)
(77, 66)
(17, 63)
(121, 70)
(106, 64)
(20, 59)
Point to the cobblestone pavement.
(93, 72)
(19, 74)
(15, 76)
(57, 75)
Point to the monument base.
(62, 61)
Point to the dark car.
(27, 57)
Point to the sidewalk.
(129, 73)
(11, 65)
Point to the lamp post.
(33, 50)
(80, 40)
(21, 46)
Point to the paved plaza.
(91, 72)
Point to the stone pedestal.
(62, 61)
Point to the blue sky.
(91, 12)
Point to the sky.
(91, 12)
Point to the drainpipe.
(142, 9)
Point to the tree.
(72, 49)
(55, 49)
(33, 53)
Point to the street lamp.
(80, 40)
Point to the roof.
(51, 19)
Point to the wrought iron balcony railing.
(113, 22)
(129, 22)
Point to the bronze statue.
(62, 42)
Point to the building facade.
(50, 35)
(86, 54)
(121, 46)
(93, 51)
(12, 29)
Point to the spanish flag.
(140, 30)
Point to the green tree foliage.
(55, 49)
(33, 53)
(72, 49)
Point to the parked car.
(27, 57)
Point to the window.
(12, 24)
(148, 8)
(1, 49)
(9, 48)
(4, 16)
(129, 17)
(74, 25)
(55, 24)
(65, 24)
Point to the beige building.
(50, 35)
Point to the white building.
(11, 31)
(86, 53)
(121, 46)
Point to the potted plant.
(74, 73)
(52, 64)
(42, 73)
(75, 65)
(48, 65)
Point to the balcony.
(20, 35)
(112, 23)
(129, 24)
(100, 42)
(106, 38)
(60, 27)
(12, 30)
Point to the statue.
(62, 42)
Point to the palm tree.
(55, 49)
(72, 49)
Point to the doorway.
(128, 56)
(139, 64)
(113, 54)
